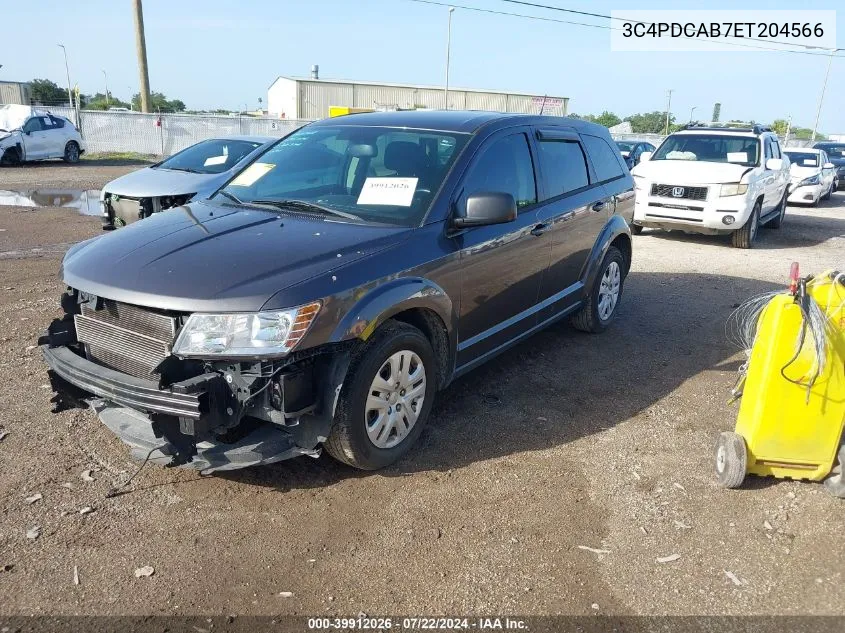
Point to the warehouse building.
(15, 92)
(311, 98)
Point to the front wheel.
(602, 304)
(72, 152)
(745, 236)
(10, 157)
(386, 398)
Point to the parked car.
(28, 134)
(713, 180)
(332, 287)
(632, 150)
(192, 174)
(836, 153)
(813, 176)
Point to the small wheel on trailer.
(731, 459)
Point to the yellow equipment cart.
(792, 410)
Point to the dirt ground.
(568, 440)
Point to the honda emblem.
(678, 192)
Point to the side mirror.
(645, 156)
(828, 166)
(487, 208)
(775, 164)
(27, 132)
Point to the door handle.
(541, 228)
(599, 206)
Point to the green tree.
(46, 92)
(99, 102)
(779, 126)
(607, 119)
(650, 122)
(159, 103)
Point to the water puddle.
(85, 201)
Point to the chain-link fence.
(165, 134)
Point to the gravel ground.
(566, 441)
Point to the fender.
(615, 227)
(388, 299)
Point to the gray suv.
(329, 290)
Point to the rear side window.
(505, 166)
(564, 167)
(605, 160)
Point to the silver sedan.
(192, 174)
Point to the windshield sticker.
(389, 191)
(809, 162)
(676, 155)
(251, 174)
(214, 160)
(737, 157)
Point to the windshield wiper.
(301, 205)
(187, 169)
(231, 197)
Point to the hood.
(799, 172)
(13, 116)
(217, 258)
(687, 171)
(153, 182)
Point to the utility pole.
(106, 79)
(141, 51)
(67, 72)
(821, 97)
(694, 108)
(788, 127)
(668, 110)
(448, 47)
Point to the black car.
(334, 286)
(836, 154)
(632, 150)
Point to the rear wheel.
(829, 192)
(745, 236)
(71, 152)
(602, 304)
(731, 459)
(386, 398)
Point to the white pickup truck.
(713, 180)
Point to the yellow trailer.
(792, 409)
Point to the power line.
(607, 27)
(620, 19)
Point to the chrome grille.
(125, 337)
(688, 193)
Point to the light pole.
(668, 110)
(821, 96)
(694, 108)
(448, 47)
(106, 79)
(67, 71)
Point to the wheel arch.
(615, 233)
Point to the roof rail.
(756, 128)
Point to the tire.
(778, 221)
(731, 460)
(745, 236)
(71, 152)
(10, 157)
(356, 437)
(829, 193)
(593, 317)
(636, 229)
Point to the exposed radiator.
(124, 337)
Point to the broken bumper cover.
(124, 403)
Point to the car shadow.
(561, 385)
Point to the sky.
(226, 53)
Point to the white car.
(28, 133)
(813, 175)
(713, 180)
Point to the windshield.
(625, 146)
(834, 151)
(210, 157)
(803, 159)
(710, 148)
(384, 175)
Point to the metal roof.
(425, 87)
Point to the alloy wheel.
(395, 399)
(611, 282)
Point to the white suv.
(714, 181)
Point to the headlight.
(733, 189)
(257, 334)
(639, 182)
(812, 180)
